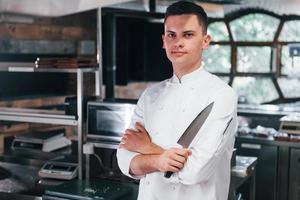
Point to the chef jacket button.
(183, 110)
(174, 188)
(192, 88)
(148, 182)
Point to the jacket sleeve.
(124, 157)
(216, 136)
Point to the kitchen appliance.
(290, 124)
(107, 120)
(62, 167)
(41, 141)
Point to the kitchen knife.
(189, 134)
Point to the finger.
(122, 141)
(179, 158)
(176, 164)
(172, 169)
(140, 127)
(183, 152)
(130, 131)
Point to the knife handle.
(168, 174)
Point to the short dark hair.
(188, 8)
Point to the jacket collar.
(194, 75)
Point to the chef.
(149, 147)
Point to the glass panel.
(254, 27)
(290, 66)
(217, 58)
(290, 31)
(289, 87)
(218, 31)
(255, 90)
(254, 59)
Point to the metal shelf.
(37, 116)
(53, 117)
(105, 144)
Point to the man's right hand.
(172, 159)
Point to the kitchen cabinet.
(278, 167)
(294, 175)
(266, 169)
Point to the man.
(149, 148)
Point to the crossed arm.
(151, 157)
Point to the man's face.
(184, 40)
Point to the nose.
(179, 43)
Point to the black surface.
(22, 84)
(10, 196)
(294, 177)
(138, 51)
(89, 190)
(266, 169)
(4, 173)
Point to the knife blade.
(191, 131)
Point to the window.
(289, 87)
(290, 31)
(252, 55)
(254, 59)
(254, 27)
(218, 31)
(255, 90)
(290, 65)
(217, 58)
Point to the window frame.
(276, 47)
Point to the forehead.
(182, 22)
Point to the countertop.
(12, 196)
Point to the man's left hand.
(139, 141)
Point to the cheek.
(196, 48)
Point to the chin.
(179, 60)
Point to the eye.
(188, 35)
(171, 35)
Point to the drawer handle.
(251, 146)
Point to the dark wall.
(139, 53)
(17, 84)
(24, 84)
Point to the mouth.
(178, 53)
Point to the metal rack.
(53, 117)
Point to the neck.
(181, 70)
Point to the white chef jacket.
(166, 109)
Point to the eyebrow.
(168, 31)
(188, 31)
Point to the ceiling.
(51, 8)
(215, 8)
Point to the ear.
(163, 40)
(206, 41)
